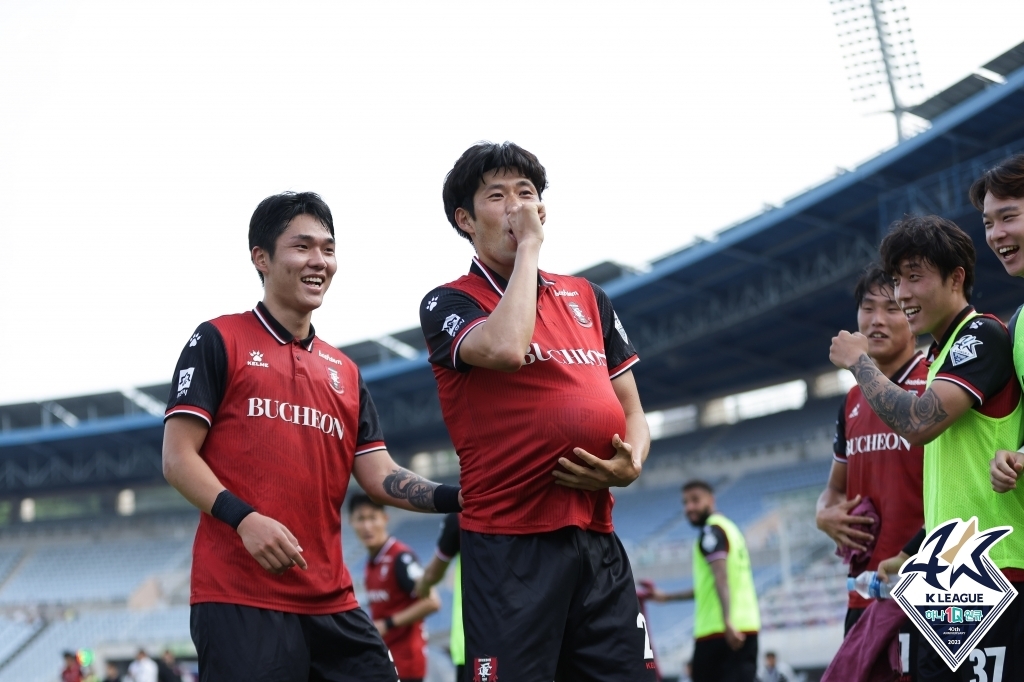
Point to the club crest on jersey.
(578, 313)
(964, 350)
(485, 669)
(952, 590)
(334, 379)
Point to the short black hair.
(697, 483)
(1005, 181)
(357, 500)
(873, 277)
(937, 240)
(464, 178)
(271, 218)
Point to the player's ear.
(958, 276)
(465, 221)
(261, 259)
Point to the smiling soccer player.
(264, 427)
(971, 406)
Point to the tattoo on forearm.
(904, 412)
(402, 484)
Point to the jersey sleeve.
(839, 443)
(369, 437)
(446, 316)
(980, 361)
(713, 543)
(200, 377)
(407, 572)
(617, 347)
(448, 544)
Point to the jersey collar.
(497, 282)
(382, 552)
(937, 346)
(277, 330)
(903, 372)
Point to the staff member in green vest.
(969, 410)
(726, 619)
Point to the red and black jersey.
(884, 467)
(509, 429)
(287, 418)
(981, 363)
(391, 577)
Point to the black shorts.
(559, 605)
(714, 661)
(999, 656)
(910, 640)
(258, 645)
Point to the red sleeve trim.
(616, 371)
(962, 383)
(461, 336)
(372, 446)
(189, 409)
(715, 556)
(442, 556)
(841, 460)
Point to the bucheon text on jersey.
(300, 415)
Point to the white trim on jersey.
(267, 326)
(916, 360)
(184, 410)
(636, 359)
(462, 336)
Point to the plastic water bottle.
(868, 585)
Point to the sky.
(137, 138)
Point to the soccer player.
(999, 195)
(533, 373)
(871, 462)
(969, 410)
(264, 426)
(391, 573)
(726, 619)
(447, 553)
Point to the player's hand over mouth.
(526, 221)
(837, 523)
(270, 543)
(619, 471)
(1004, 469)
(847, 349)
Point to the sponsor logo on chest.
(299, 415)
(564, 356)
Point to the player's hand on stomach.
(526, 220)
(1003, 470)
(270, 543)
(622, 469)
(847, 348)
(836, 522)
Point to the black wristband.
(230, 509)
(914, 546)
(446, 499)
(389, 623)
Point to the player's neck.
(494, 266)
(890, 367)
(297, 322)
(955, 308)
(374, 549)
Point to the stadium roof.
(753, 306)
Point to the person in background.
(113, 673)
(143, 668)
(167, 668)
(391, 574)
(72, 671)
(773, 671)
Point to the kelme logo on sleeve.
(952, 590)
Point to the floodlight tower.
(879, 52)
